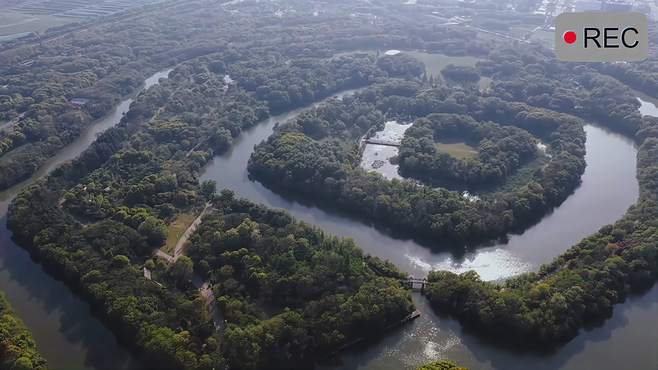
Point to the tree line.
(580, 286)
(95, 223)
(289, 293)
(17, 350)
(500, 151)
(317, 155)
(53, 89)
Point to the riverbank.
(434, 336)
(61, 322)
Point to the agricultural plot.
(12, 23)
(78, 8)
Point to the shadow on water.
(330, 208)
(433, 337)
(583, 213)
(609, 186)
(64, 328)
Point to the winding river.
(609, 186)
(66, 332)
(70, 337)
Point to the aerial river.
(70, 337)
(609, 186)
(66, 332)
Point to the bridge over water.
(415, 283)
(382, 142)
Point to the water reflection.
(615, 345)
(65, 331)
(648, 108)
(611, 160)
(608, 188)
(377, 157)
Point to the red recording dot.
(569, 37)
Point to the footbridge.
(382, 142)
(415, 283)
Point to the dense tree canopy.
(501, 150)
(96, 222)
(583, 284)
(310, 293)
(51, 89)
(318, 154)
(289, 293)
(465, 74)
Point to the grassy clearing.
(459, 150)
(434, 63)
(14, 22)
(177, 229)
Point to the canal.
(66, 332)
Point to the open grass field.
(177, 229)
(12, 22)
(434, 63)
(458, 150)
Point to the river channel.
(609, 186)
(66, 332)
(70, 337)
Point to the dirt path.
(179, 249)
(205, 290)
(180, 245)
(164, 255)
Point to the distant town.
(554, 7)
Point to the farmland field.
(14, 22)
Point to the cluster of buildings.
(553, 8)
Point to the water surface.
(625, 341)
(647, 107)
(377, 158)
(66, 332)
(610, 160)
(609, 186)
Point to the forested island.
(319, 159)
(582, 285)
(189, 276)
(500, 151)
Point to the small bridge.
(415, 283)
(382, 142)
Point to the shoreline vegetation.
(314, 153)
(95, 221)
(17, 347)
(582, 285)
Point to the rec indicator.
(601, 37)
